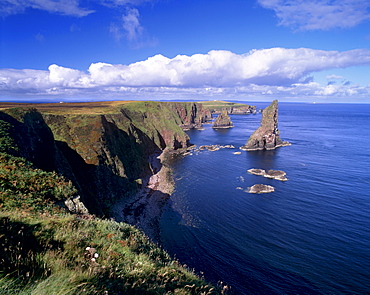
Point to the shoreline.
(144, 208)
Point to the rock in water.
(223, 120)
(267, 136)
(274, 174)
(261, 189)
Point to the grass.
(77, 108)
(219, 104)
(46, 255)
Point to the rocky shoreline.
(144, 208)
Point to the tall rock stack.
(267, 136)
(222, 121)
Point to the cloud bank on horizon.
(269, 71)
(273, 72)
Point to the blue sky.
(252, 50)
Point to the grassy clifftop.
(44, 248)
(217, 106)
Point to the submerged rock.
(261, 189)
(222, 121)
(267, 136)
(274, 174)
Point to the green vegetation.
(219, 104)
(6, 141)
(44, 248)
(46, 254)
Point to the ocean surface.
(310, 236)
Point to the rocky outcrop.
(274, 174)
(267, 136)
(216, 107)
(222, 121)
(243, 110)
(215, 147)
(261, 189)
(75, 205)
(192, 115)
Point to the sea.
(310, 236)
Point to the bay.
(310, 236)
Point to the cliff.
(46, 250)
(216, 107)
(267, 136)
(103, 148)
(222, 121)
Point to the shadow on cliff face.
(122, 157)
(33, 138)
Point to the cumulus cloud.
(64, 7)
(275, 71)
(319, 14)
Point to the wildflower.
(91, 253)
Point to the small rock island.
(261, 189)
(274, 174)
(222, 121)
(267, 136)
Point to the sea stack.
(267, 136)
(222, 121)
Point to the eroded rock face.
(267, 136)
(75, 205)
(222, 121)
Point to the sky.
(245, 50)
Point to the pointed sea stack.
(222, 121)
(267, 136)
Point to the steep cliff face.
(222, 121)
(192, 115)
(105, 154)
(267, 136)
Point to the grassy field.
(219, 104)
(77, 108)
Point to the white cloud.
(64, 7)
(334, 77)
(275, 71)
(319, 14)
(130, 29)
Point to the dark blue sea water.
(310, 236)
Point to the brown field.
(98, 107)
